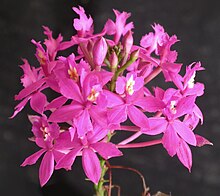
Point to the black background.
(197, 25)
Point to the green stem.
(132, 59)
(99, 188)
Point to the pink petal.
(120, 85)
(184, 131)
(46, 168)
(33, 158)
(106, 150)
(67, 161)
(157, 126)
(30, 89)
(117, 114)
(201, 141)
(184, 154)
(83, 123)
(70, 90)
(98, 115)
(198, 113)
(20, 106)
(185, 106)
(65, 113)
(113, 99)
(139, 83)
(150, 104)
(56, 103)
(138, 117)
(97, 134)
(91, 165)
(110, 27)
(170, 141)
(38, 102)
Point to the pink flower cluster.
(102, 86)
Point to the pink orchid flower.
(87, 147)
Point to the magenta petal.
(83, 123)
(201, 141)
(33, 158)
(185, 106)
(184, 131)
(106, 150)
(157, 126)
(38, 102)
(185, 155)
(138, 117)
(170, 141)
(56, 103)
(91, 165)
(67, 161)
(65, 113)
(99, 116)
(46, 168)
(150, 104)
(30, 89)
(113, 99)
(117, 114)
(120, 85)
(70, 90)
(20, 106)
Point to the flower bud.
(127, 42)
(134, 55)
(113, 59)
(100, 49)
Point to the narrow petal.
(201, 141)
(150, 104)
(33, 158)
(70, 90)
(185, 106)
(20, 106)
(91, 165)
(98, 115)
(38, 102)
(56, 103)
(157, 126)
(117, 114)
(46, 168)
(185, 155)
(120, 85)
(67, 161)
(138, 117)
(170, 141)
(30, 89)
(83, 123)
(113, 99)
(185, 132)
(66, 113)
(106, 150)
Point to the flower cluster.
(100, 87)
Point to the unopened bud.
(100, 49)
(113, 59)
(134, 55)
(127, 42)
(90, 46)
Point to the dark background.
(197, 25)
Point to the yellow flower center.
(41, 57)
(93, 95)
(73, 73)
